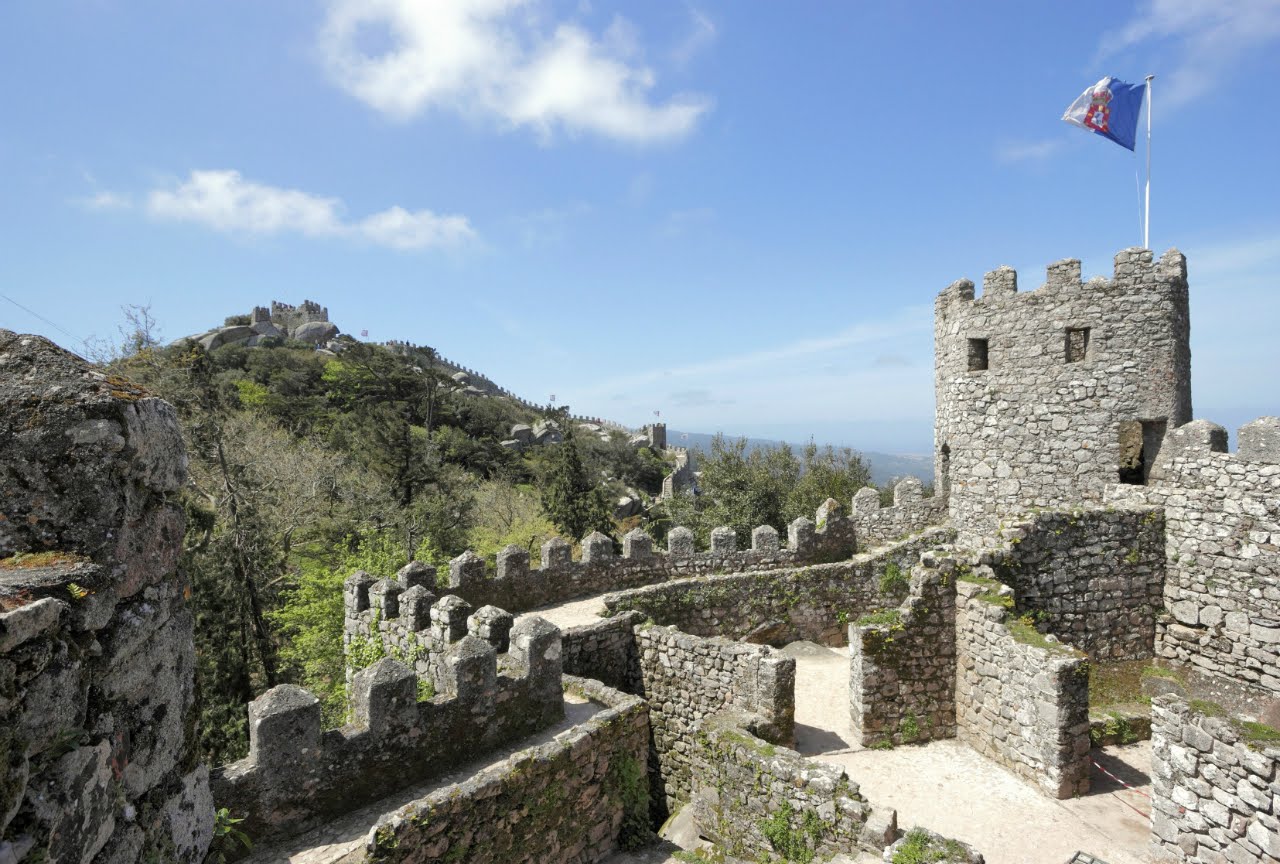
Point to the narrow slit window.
(1077, 344)
(977, 355)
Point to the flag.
(364, 333)
(1110, 108)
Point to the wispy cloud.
(549, 227)
(702, 33)
(1207, 39)
(225, 201)
(680, 222)
(496, 58)
(909, 320)
(105, 201)
(1028, 151)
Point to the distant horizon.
(736, 213)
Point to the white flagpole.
(1146, 228)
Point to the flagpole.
(1146, 228)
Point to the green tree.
(572, 498)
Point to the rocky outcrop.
(96, 654)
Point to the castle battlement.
(405, 727)
(1135, 269)
(405, 614)
(1044, 397)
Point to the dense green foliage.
(766, 486)
(309, 465)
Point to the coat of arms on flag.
(1109, 108)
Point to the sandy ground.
(570, 614)
(947, 787)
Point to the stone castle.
(1080, 517)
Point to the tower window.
(1077, 344)
(977, 355)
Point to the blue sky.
(736, 213)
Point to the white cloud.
(1028, 151)
(1209, 39)
(225, 201)
(702, 32)
(492, 57)
(105, 201)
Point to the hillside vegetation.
(308, 465)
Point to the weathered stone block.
(384, 697)
(556, 553)
(493, 625)
(597, 548)
(284, 729)
(764, 538)
(467, 571)
(680, 542)
(723, 540)
(449, 618)
(416, 573)
(637, 544)
(1259, 441)
(513, 564)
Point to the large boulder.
(314, 332)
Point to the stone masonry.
(1222, 549)
(1032, 388)
(902, 665)
(97, 705)
(1215, 793)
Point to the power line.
(36, 314)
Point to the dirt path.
(947, 787)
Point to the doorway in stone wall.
(1140, 442)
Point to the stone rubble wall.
(1033, 430)
(902, 673)
(606, 651)
(684, 679)
(1222, 549)
(1214, 796)
(1023, 706)
(780, 606)
(832, 535)
(688, 678)
(297, 775)
(575, 799)
(98, 754)
(1097, 574)
(745, 787)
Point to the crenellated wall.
(575, 799)
(902, 663)
(513, 584)
(1032, 387)
(297, 775)
(779, 606)
(98, 758)
(1096, 576)
(1222, 549)
(1020, 701)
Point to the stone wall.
(902, 663)
(1023, 705)
(575, 799)
(1222, 549)
(297, 775)
(1215, 795)
(781, 606)
(1032, 387)
(911, 513)
(1097, 575)
(757, 801)
(688, 678)
(98, 757)
(513, 584)
(606, 651)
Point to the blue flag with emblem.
(1109, 108)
